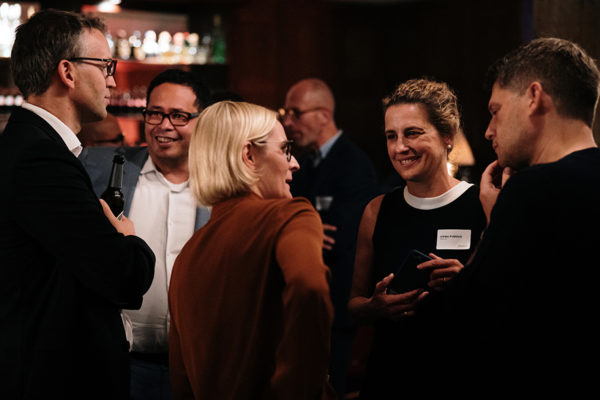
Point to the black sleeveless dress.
(406, 222)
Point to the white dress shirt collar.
(150, 168)
(324, 149)
(322, 152)
(66, 134)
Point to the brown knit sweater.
(249, 302)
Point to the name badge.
(453, 239)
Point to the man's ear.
(66, 73)
(324, 116)
(248, 156)
(537, 98)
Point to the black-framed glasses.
(286, 146)
(295, 113)
(177, 118)
(110, 64)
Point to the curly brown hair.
(438, 98)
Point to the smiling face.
(416, 149)
(168, 144)
(274, 169)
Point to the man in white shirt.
(68, 265)
(158, 200)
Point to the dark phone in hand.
(407, 277)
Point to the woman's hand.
(442, 270)
(392, 306)
(328, 241)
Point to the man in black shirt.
(522, 311)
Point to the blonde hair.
(217, 171)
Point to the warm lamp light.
(461, 154)
(109, 6)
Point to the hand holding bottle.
(123, 225)
(113, 195)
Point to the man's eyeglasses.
(295, 113)
(177, 118)
(286, 146)
(110, 64)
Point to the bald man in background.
(339, 179)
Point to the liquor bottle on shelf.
(10, 18)
(202, 57)
(177, 45)
(164, 47)
(135, 42)
(190, 48)
(218, 41)
(123, 46)
(113, 195)
(149, 44)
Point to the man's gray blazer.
(98, 163)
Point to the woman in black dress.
(435, 214)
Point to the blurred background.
(256, 49)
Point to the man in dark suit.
(68, 265)
(159, 201)
(339, 179)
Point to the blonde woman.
(249, 294)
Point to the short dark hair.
(565, 71)
(41, 42)
(438, 99)
(184, 78)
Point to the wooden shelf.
(152, 62)
(156, 62)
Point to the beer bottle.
(113, 195)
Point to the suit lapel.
(135, 160)
(322, 173)
(22, 116)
